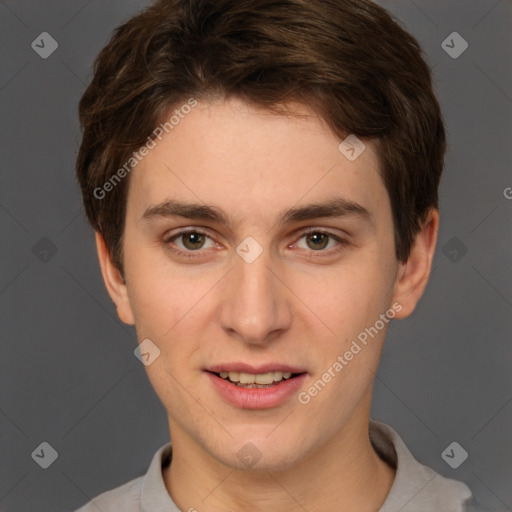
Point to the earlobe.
(413, 275)
(114, 282)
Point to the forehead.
(244, 159)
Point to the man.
(262, 177)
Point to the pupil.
(195, 240)
(318, 237)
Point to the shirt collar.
(416, 487)
(413, 486)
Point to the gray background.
(68, 375)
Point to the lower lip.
(257, 398)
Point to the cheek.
(351, 296)
(171, 308)
(157, 295)
(160, 307)
(165, 309)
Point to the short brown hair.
(349, 60)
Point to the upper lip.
(248, 368)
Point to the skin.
(296, 304)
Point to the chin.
(260, 453)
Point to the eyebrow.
(333, 208)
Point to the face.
(252, 245)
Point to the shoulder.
(139, 493)
(416, 488)
(125, 497)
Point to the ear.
(413, 275)
(114, 282)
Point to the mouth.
(256, 387)
(256, 380)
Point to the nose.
(255, 305)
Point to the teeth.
(247, 378)
(265, 378)
(260, 378)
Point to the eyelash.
(196, 254)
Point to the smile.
(263, 387)
(250, 380)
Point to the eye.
(319, 241)
(191, 240)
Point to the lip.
(247, 368)
(257, 398)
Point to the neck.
(344, 474)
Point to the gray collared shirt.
(416, 488)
